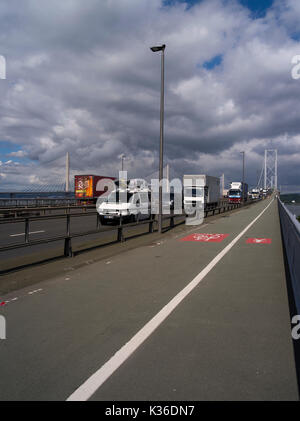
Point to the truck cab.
(255, 194)
(234, 196)
(238, 192)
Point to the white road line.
(35, 291)
(23, 233)
(91, 385)
(12, 300)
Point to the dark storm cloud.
(81, 78)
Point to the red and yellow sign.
(84, 187)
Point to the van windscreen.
(116, 196)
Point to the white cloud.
(81, 78)
(17, 154)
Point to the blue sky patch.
(295, 36)
(6, 148)
(257, 7)
(190, 3)
(215, 61)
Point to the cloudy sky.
(81, 78)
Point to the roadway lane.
(14, 234)
(220, 343)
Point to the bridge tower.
(270, 169)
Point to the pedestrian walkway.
(199, 316)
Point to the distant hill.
(287, 198)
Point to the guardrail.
(36, 211)
(67, 236)
(19, 212)
(34, 202)
(290, 229)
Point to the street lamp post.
(243, 189)
(122, 158)
(161, 149)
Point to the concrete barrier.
(290, 228)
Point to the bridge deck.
(228, 339)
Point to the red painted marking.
(259, 241)
(3, 303)
(205, 238)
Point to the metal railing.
(67, 215)
(37, 211)
(290, 229)
(35, 202)
(221, 209)
(67, 236)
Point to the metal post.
(120, 231)
(276, 180)
(172, 224)
(67, 173)
(26, 230)
(265, 172)
(161, 149)
(243, 181)
(68, 225)
(68, 244)
(151, 224)
(122, 158)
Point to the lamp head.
(158, 48)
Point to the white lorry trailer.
(201, 190)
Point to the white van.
(131, 204)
